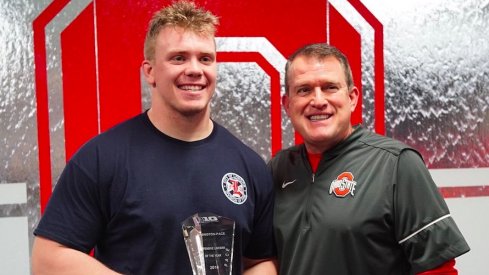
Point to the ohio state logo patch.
(234, 187)
(343, 185)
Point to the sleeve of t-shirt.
(73, 216)
(423, 225)
(261, 245)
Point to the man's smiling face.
(183, 72)
(319, 102)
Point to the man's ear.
(147, 68)
(353, 95)
(285, 103)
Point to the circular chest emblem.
(234, 187)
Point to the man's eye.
(178, 58)
(207, 59)
(302, 91)
(330, 88)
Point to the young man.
(126, 192)
(349, 201)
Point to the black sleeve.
(74, 215)
(424, 228)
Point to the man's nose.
(193, 68)
(318, 99)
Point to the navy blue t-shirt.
(127, 191)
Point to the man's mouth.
(319, 117)
(193, 88)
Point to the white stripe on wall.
(13, 193)
(460, 177)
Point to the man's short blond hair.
(184, 14)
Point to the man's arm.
(50, 257)
(260, 267)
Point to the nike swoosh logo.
(287, 183)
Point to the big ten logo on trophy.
(208, 219)
(89, 78)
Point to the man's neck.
(178, 126)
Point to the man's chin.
(192, 112)
(319, 138)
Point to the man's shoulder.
(381, 142)
(126, 126)
(228, 140)
(292, 150)
(112, 138)
(291, 154)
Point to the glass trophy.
(209, 239)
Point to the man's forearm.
(51, 258)
(260, 267)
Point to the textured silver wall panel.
(242, 103)
(437, 78)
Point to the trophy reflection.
(209, 239)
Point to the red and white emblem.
(343, 185)
(234, 187)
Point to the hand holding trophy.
(209, 239)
